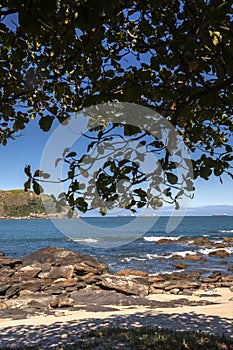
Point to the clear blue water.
(22, 237)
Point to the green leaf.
(27, 171)
(27, 185)
(171, 178)
(46, 122)
(71, 155)
(37, 187)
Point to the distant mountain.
(18, 203)
(207, 210)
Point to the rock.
(53, 303)
(230, 268)
(35, 304)
(56, 256)
(180, 265)
(175, 291)
(58, 272)
(2, 254)
(154, 290)
(212, 278)
(194, 257)
(3, 306)
(131, 273)
(156, 278)
(9, 262)
(65, 302)
(228, 239)
(125, 284)
(11, 292)
(6, 271)
(3, 288)
(227, 278)
(61, 302)
(201, 241)
(27, 272)
(220, 253)
(165, 241)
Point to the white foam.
(225, 231)
(155, 239)
(85, 240)
(207, 251)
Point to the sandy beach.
(66, 326)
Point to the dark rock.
(180, 265)
(62, 257)
(3, 288)
(220, 253)
(194, 257)
(9, 262)
(201, 241)
(212, 278)
(126, 284)
(11, 292)
(35, 304)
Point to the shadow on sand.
(66, 332)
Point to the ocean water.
(121, 242)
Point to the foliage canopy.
(59, 57)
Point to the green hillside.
(17, 203)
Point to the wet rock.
(201, 241)
(132, 273)
(180, 265)
(126, 284)
(220, 253)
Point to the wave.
(155, 239)
(84, 240)
(183, 254)
(128, 259)
(225, 231)
(207, 251)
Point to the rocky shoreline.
(53, 279)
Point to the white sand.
(216, 318)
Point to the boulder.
(131, 285)
(220, 253)
(56, 256)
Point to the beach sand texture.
(50, 331)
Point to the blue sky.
(28, 148)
